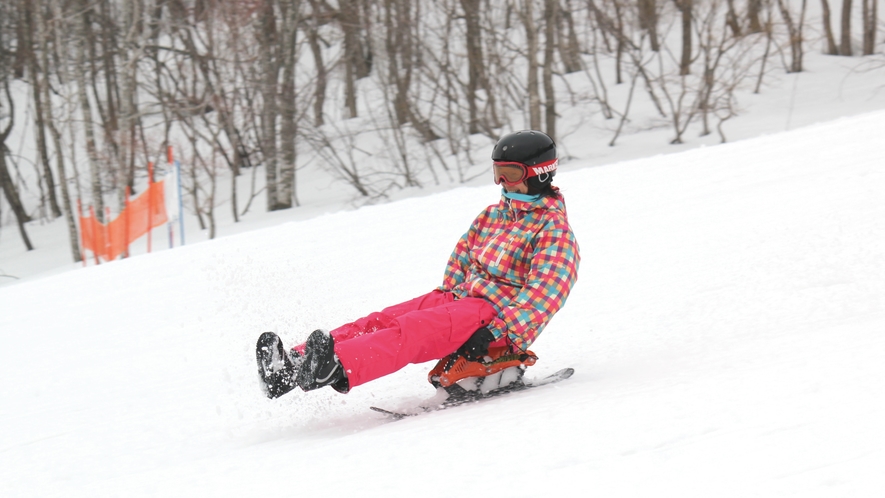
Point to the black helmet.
(528, 147)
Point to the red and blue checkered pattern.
(523, 258)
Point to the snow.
(726, 333)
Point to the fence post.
(80, 239)
(107, 234)
(150, 203)
(126, 220)
(169, 223)
(180, 203)
(94, 234)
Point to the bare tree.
(43, 32)
(475, 72)
(685, 8)
(845, 33)
(104, 73)
(269, 49)
(357, 54)
(832, 48)
(80, 66)
(845, 36)
(551, 13)
(768, 42)
(314, 20)
(732, 20)
(634, 50)
(10, 192)
(754, 8)
(870, 16)
(402, 46)
(130, 52)
(569, 47)
(794, 28)
(531, 34)
(340, 154)
(727, 62)
(648, 21)
(6, 182)
(620, 36)
(286, 194)
(31, 16)
(227, 84)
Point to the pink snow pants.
(426, 328)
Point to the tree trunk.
(685, 7)
(270, 70)
(6, 183)
(754, 8)
(832, 49)
(40, 78)
(362, 52)
(569, 47)
(393, 41)
(768, 42)
(9, 191)
(214, 95)
(130, 52)
(870, 20)
(356, 57)
(54, 132)
(550, 15)
(401, 47)
(111, 113)
(86, 111)
(404, 41)
(795, 30)
(619, 45)
(289, 128)
(20, 61)
(528, 19)
(313, 39)
(648, 21)
(73, 236)
(731, 19)
(475, 61)
(845, 39)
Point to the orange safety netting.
(140, 215)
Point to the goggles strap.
(543, 168)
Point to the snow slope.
(726, 331)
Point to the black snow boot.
(321, 366)
(277, 368)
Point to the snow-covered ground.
(726, 331)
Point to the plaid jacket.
(523, 258)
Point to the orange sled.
(454, 368)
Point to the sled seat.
(454, 368)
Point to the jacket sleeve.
(554, 270)
(459, 261)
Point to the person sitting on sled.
(507, 277)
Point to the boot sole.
(275, 369)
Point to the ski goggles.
(513, 173)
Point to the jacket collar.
(543, 203)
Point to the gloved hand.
(478, 345)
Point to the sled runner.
(464, 381)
